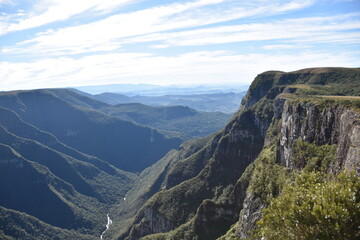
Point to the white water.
(109, 222)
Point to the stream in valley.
(109, 222)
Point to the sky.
(67, 43)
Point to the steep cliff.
(310, 130)
(287, 122)
(311, 136)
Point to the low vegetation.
(307, 203)
(315, 206)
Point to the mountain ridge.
(226, 102)
(240, 199)
(216, 187)
(46, 111)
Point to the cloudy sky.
(61, 43)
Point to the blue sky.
(62, 43)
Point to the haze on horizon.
(62, 43)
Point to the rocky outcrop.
(259, 88)
(321, 125)
(250, 214)
(213, 219)
(151, 222)
(348, 151)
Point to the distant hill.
(173, 120)
(68, 116)
(227, 102)
(157, 90)
(54, 187)
(19, 225)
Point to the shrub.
(314, 208)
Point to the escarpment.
(320, 125)
(286, 122)
(307, 132)
(304, 127)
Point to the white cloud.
(285, 46)
(6, 2)
(122, 28)
(160, 46)
(75, 40)
(197, 67)
(51, 58)
(50, 11)
(301, 29)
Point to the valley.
(79, 166)
(179, 120)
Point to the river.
(109, 222)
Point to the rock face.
(151, 222)
(330, 125)
(208, 201)
(348, 152)
(313, 122)
(213, 219)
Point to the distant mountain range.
(157, 90)
(226, 102)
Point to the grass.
(286, 95)
(301, 86)
(339, 97)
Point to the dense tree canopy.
(314, 207)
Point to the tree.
(314, 207)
